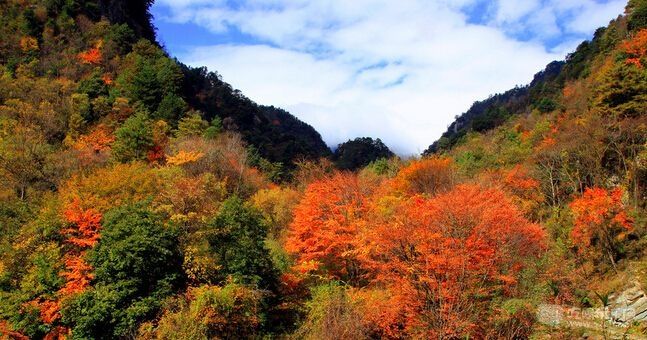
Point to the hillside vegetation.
(142, 198)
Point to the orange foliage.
(601, 217)
(435, 263)
(28, 44)
(325, 225)
(107, 79)
(82, 233)
(636, 48)
(517, 179)
(380, 315)
(49, 311)
(426, 176)
(57, 333)
(443, 258)
(78, 275)
(547, 143)
(523, 190)
(93, 146)
(7, 333)
(98, 140)
(85, 225)
(91, 56)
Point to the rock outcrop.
(628, 306)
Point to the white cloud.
(397, 70)
(596, 15)
(544, 19)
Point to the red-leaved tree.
(81, 234)
(445, 258)
(601, 222)
(325, 226)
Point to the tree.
(93, 86)
(214, 129)
(191, 125)
(211, 312)
(83, 233)
(637, 12)
(95, 146)
(133, 139)
(426, 176)
(446, 258)
(276, 205)
(360, 152)
(237, 241)
(170, 108)
(332, 314)
(622, 86)
(24, 157)
(326, 223)
(137, 263)
(601, 222)
(107, 188)
(635, 48)
(91, 56)
(145, 87)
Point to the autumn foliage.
(82, 233)
(444, 258)
(7, 333)
(601, 221)
(426, 176)
(326, 223)
(143, 198)
(636, 48)
(91, 56)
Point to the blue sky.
(397, 70)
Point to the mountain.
(60, 26)
(143, 198)
(278, 135)
(541, 94)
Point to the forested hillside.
(143, 198)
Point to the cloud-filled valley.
(399, 71)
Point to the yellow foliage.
(276, 205)
(28, 44)
(111, 187)
(188, 200)
(183, 157)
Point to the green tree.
(170, 108)
(237, 241)
(133, 139)
(191, 125)
(637, 10)
(137, 264)
(79, 115)
(211, 312)
(214, 129)
(145, 88)
(93, 86)
(360, 152)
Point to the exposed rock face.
(629, 306)
(625, 308)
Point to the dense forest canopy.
(143, 198)
(360, 152)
